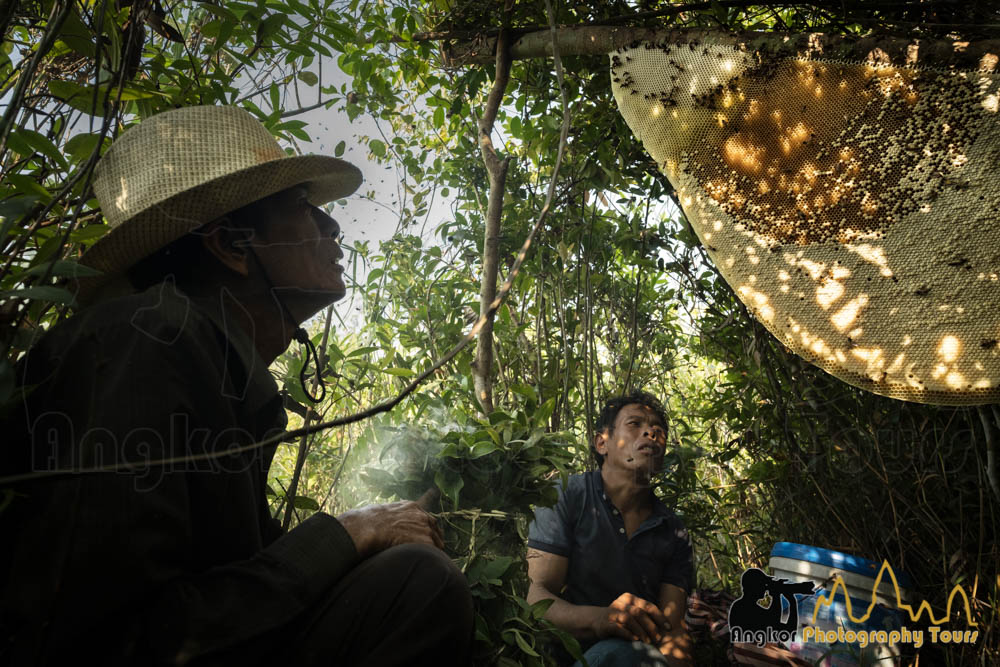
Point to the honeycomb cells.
(815, 152)
(852, 207)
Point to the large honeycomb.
(853, 206)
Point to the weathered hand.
(377, 527)
(631, 617)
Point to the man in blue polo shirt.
(615, 561)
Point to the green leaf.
(15, 208)
(41, 293)
(8, 497)
(339, 150)
(450, 484)
(219, 12)
(400, 372)
(24, 184)
(500, 417)
(569, 642)
(495, 568)
(450, 450)
(48, 250)
(76, 35)
(527, 391)
(274, 93)
(62, 269)
(483, 633)
(523, 644)
(88, 233)
(378, 479)
(481, 449)
(81, 97)
(81, 146)
(305, 503)
(308, 78)
(539, 608)
(19, 144)
(545, 411)
(377, 147)
(268, 28)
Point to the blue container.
(825, 568)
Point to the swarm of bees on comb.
(853, 206)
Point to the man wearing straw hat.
(161, 549)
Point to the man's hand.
(633, 618)
(377, 527)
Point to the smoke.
(403, 459)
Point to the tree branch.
(673, 10)
(482, 366)
(601, 40)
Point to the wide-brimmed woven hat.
(180, 169)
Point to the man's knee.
(434, 580)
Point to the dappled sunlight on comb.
(852, 206)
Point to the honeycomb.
(852, 206)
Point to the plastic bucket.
(799, 562)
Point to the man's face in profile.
(300, 250)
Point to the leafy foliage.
(490, 473)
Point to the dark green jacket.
(161, 563)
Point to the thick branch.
(482, 367)
(634, 19)
(601, 40)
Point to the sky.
(369, 214)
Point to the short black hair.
(612, 406)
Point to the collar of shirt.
(659, 515)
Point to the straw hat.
(851, 206)
(180, 169)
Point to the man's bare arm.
(629, 617)
(676, 644)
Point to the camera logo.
(756, 616)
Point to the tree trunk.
(482, 366)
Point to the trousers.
(408, 605)
(621, 653)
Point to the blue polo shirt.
(588, 529)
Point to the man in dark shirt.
(160, 548)
(613, 559)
